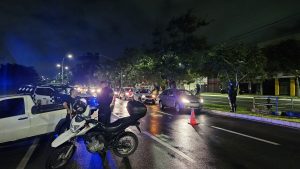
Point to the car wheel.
(161, 106)
(177, 108)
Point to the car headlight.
(116, 92)
(143, 96)
(93, 90)
(201, 100)
(184, 100)
(153, 96)
(98, 90)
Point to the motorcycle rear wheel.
(55, 159)
(126, 144)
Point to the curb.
(257, 119)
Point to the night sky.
(39, 32)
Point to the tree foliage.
(235, 62)
(284, 56)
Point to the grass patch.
(244, 110)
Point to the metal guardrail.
(266, 104)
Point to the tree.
(284, 57)
(175, 45)
(235, 62)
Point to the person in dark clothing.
(232, 93)
(68, 103)
(197, 89)
(105, 99)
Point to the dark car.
(179, 99)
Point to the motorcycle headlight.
(184, 100)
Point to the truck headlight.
(184, 100)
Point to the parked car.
(179, 99)
(126, 93)
(49, 94)
(144, 95)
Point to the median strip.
(244, 135)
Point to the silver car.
(179, 99)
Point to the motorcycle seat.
(118, 124)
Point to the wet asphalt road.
(167, 141)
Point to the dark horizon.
(38, 34)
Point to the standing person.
(105, 99)
(197, 89)
(232, 93)
(70, 100)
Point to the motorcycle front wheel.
(57, 158)
(126, 144)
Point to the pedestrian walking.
(232, 93)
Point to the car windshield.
(184, 93)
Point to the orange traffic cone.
(193, 120)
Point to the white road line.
(165, 113)
(28, 154)
(244, 135)
(170, 147)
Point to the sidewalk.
(248, 96)
(256, 118)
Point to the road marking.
(165, 113)
(244, 135)
(170, 147)
(28, 154)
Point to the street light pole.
(62, 70)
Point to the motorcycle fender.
(61, 139)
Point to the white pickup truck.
(21, 118)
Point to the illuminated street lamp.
(69, 56)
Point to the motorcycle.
(97, 137)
